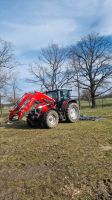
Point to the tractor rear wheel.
(50, 119)
(72, 112)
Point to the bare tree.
(14, 90)
(51, 70)
(93, 57)
(6, 62)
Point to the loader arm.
(26, 102)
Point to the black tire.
(50, 119)
(72, 112)
(30, 122)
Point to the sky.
(32, 24)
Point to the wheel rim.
(52, 119)
(73, 113)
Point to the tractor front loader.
(48, 108)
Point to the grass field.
(72, 161)
(102, 102)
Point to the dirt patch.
(106, 147)
(70, 191)
(104, 189)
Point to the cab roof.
(58, 90)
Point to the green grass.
(104, 102)
(5, 111)
(72, 161)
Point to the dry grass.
(68, 162)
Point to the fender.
(66, 102)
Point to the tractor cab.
(59, 95)
(66, 105)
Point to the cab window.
(53, 94)
(64, 94)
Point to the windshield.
(59, 94)
(53, 94)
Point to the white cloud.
(27, 37)
(30, 25)
(41, 22)
(105, 26)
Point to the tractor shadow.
(20, 125)
(23, 125)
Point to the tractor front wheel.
(50, 119)
(72, 112)
(30, 122)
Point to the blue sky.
(32, 24)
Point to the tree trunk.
(79, 95)
(89, 100)
(78, 86)
(93, 93)
(93, 101)
(14, 94)
(0, 105)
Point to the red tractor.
(48, 108)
